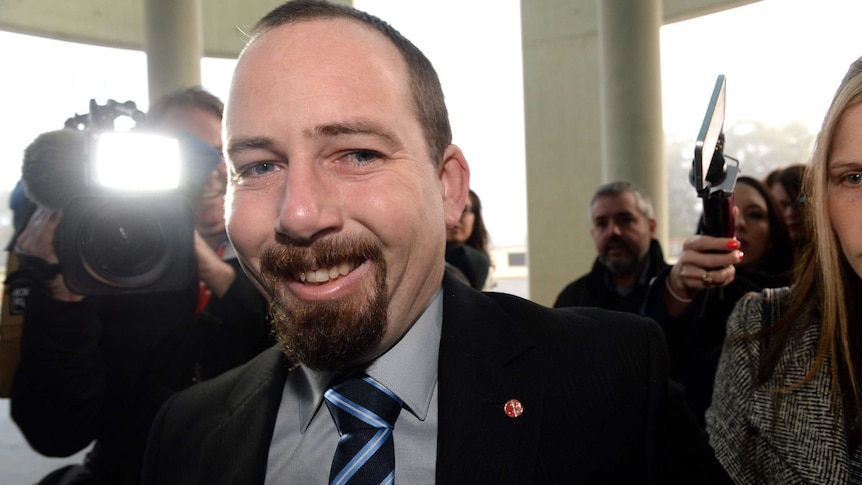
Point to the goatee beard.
(625, 266)
(332, 334)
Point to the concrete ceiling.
(119, 23)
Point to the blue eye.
(254, 170)
(258, 169)
(362, 157)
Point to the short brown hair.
(192, 97)
(428, 100)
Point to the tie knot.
(362, 403)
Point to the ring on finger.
(706, 279)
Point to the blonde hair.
(830, 289)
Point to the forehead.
(612, 205)
(778, 191)
(846, 139)
(745, 195)
(333, 64)
(197, 121)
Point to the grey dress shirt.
(305, 436)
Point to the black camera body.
(120, 241)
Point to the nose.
(614, 229)
(739, 221)
(309, 206)
(217, 178)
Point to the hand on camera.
(37, 241)
(213, 271)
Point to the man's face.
(334, 206)
(209, 210)
(621, 232)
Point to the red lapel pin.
(513, 408)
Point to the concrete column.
(631, 106)
(173, 41)
(563, 153)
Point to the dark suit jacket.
(592, 288)
(593, 384)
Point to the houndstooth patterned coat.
(765, 437)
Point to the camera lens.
(123, 246)
(115, 243)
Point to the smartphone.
(714, 176)
(710, 140)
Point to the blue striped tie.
(364, 412)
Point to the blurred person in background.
(693, 299)
(786, 186)
(467, 246)
(623, 230)
(97, 368)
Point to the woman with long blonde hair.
(787, 398)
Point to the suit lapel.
(485, 358)
(239, 447)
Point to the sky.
(783, 60)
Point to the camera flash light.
(137, 161)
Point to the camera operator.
(97, 368)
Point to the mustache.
(617, 241)
(290, 259)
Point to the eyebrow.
(239, 145)
(356, 127)
(329, 130)
(842, 164)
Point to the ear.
(652, 225)
(454, 175)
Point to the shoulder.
(747, 315)
(216, 397)
(574, 293)
(465, 252)
(474, 254)
(494, 316)
(656, 257)
(580, 327)
(194, 436)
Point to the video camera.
(121, 236)
(712, 174)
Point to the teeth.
(325, 274)
(343, 269)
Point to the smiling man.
(343, 181)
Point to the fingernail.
(733, 244)
(741, 254)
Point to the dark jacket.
(598, 407)
(472, 263)
(695, 338)
(99, 369)
(593, 288)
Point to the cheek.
(468, 225)
(764, 233)
(845, 221)
(246, 223)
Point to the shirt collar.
(408, 369)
